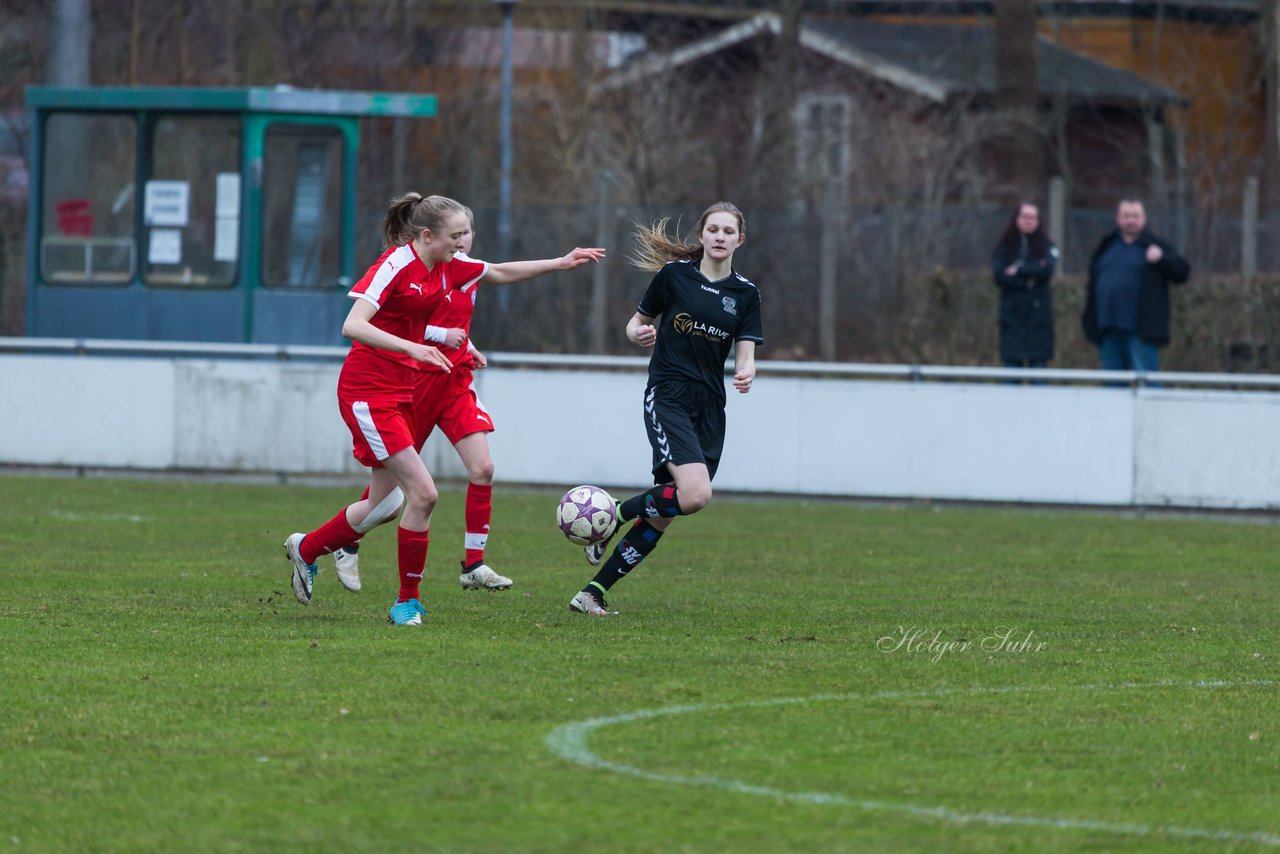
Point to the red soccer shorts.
(448, 401)
(378, 429)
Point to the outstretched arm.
(744, 365)
(518, 271)
(358, 328)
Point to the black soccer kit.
(699, 322)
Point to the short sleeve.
(654, 301)
(749, 328)
(379, 280)
(464, 271)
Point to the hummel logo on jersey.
(715, 291)
(418, 288)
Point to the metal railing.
(828, 370)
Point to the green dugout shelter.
(196, 214)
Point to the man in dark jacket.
(1126, 312)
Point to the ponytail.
(411, 214)
(654, 247)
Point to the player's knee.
(481, 472)
(422, 496)
(694, 498)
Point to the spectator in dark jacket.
(1126, 311)
(1023, 263)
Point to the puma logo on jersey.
(418, 288)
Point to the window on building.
(302, 206)
(191, 202)
(824, 131)
(87, 215)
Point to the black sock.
(634, 546)
(352, 548)
(660, 502)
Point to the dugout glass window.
(88, 213)
(191, 201)
(302, 206)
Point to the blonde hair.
(409, 215)
(654, 247)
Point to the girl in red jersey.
(447, 400)
(387, 325)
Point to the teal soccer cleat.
(407, 613)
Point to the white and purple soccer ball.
(587, 515)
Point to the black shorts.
(685, 423)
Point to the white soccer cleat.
(347, 563)
(481, 577)
(304, 574)
(586, 602)
(596, 551)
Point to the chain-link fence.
(909, 286)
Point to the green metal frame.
(253, 147)
(259, 108)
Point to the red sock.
(354, 543)
(479, 511)
(412, 557)
(334, 534)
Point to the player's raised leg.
(654, 510)
(346, 560)
(305, 549)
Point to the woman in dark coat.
(1023, 264)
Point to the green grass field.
(163, 691)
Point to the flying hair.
(654, 247)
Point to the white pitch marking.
(569, 741)
(96, 517)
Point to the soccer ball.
(587, 515)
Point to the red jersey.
(459, 303)
(405, 294)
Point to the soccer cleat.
(407, 613)
(304, 574)
(596, 551)
(587, 602)
(481, 577)
(346, 561)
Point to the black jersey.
(700, 320)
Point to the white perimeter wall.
(948, 440)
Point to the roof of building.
(936, 62)
(962, 61)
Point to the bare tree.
(1017, 95)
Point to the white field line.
(569, 741)
(96, 517)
